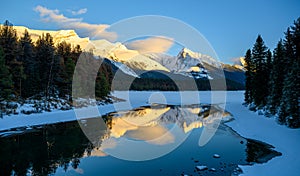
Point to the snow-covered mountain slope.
(103, 48)
(69, 36)
(124, 68)
(240, 63)
(187, 62)
(119, 53)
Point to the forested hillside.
(40, 69)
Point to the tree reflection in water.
(42, 151)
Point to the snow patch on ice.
(201, 168)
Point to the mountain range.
(186, 64)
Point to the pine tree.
(276, 78)
(269, 61)
(6, 84)
(289, 107)
(45, 56)
(249, 73)
(267, 73)
(76, 51)
(9, 42)
(282, 98)
(102, 86)
(296, 38)
(260, 75)
(69, 67)
(288, 48)
(10, 46)
(30, 63)
(61, 78)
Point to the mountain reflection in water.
(63, 146)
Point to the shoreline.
(246, 123)
(20, 120)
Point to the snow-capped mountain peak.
(186, 62)
(184, 53)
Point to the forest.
(41, 73)
(39, 69)
(273, 78)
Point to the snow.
(213, 169)
(285, 140)
(125, 68)
(216, 156)
(184, 61)
(201, 168)
(70, 36)
(247, 123)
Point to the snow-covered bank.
(247, 123)
(133, 99)
(285, 140)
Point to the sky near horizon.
(230, 26)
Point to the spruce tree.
(296, 38)
(6, 84)
(61, 80)
(249, 73)
(10, 46)
(69, 68)
(46, 58)
(9, 42)
(267, 73)
(276, 78)
(260, 76)
(289, 107)
(101, 86)
(30, 63)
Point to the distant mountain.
(187, 63)
(69, 36)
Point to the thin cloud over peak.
(97, 31)
(155, 44)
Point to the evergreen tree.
(276, 78)
(61, 78)
(296, 38)
(6, 84)
(288, 48)
(30, 63)
(269, 61)
(9, 42)
(289, 107)
(101, 86)
(45, 56)
(267, 73)
(69, 70)
(43, 69)
(249, 74)
(76, 51)
(260, 75)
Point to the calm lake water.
(156, 140)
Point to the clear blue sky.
(231, 26)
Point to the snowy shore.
(285, 140)
(247, 123)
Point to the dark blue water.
(148, 132)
